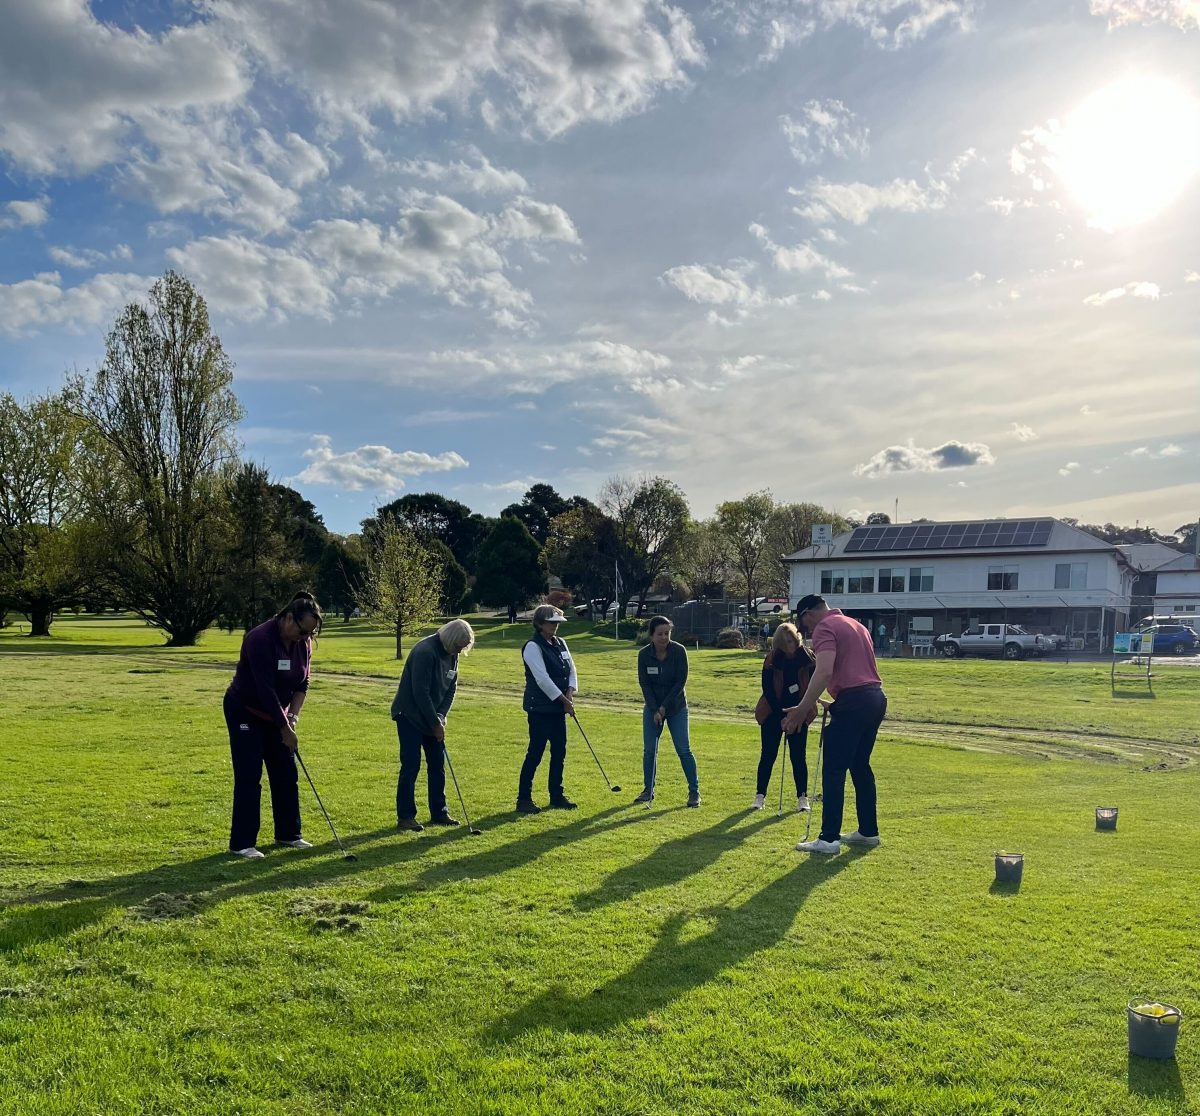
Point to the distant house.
(926, 579)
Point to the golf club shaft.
(457, 789)
(592, 750)
(783, 773)
(654, 766)
(320, 803)
(816, 774)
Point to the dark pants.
(254, 742)
(412, 743)
(544, 728)
(854, 720)
(771, 730)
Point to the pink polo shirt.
(854, 661)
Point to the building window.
(1070, 575)
(891, 581)
(920, 579)
(860, 583)
(833, 582)
(1001, 578)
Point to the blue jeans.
(854, 720)
(677, 723)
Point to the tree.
(651, 519)
(452, 576)
(790, 529)
(511, 569)
(341, 572)
(401, 588)
(579, 549)
(162, 416)
(744, 523)
(878, 518)
(42, 556)
(706, 558)
(538, 507)
(432, 516)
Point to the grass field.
(612, 960)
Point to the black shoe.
(527, 806)
(645, 796)
(411, 824)
(444, 819)
(563, 803)
(694, 798)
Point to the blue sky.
(945, 252)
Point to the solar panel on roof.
(950, 536)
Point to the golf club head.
(349, 856)
(616, 790)
(475, 832)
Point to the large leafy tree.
(790, 529)
(44, 552)
(341, 573)
(401, 585)
(541, 504)
(651, 520)
(162, 414)
(744, 524)
(432, 516)
(511, 568)
(706, 558)
(580, 548)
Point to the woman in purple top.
(262, 706)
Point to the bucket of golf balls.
(1106, 817)
(1153, 1028)
(1009, 867)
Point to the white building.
(924, 579)
(1177, 587)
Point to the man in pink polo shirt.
(846, 668)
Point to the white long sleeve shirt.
(532, 655)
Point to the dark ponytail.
(301, 605)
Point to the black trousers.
(771, 730)
(544, 728)
(412, 743)
(854, 720)
(254, 743)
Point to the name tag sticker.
(793, 688)
(284, 664)
(451, 675)
(651, 670)
(243, 728)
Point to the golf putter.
(816, 773)
(654, 767)
(346, 855)
(783, 775)
(470, 828)
(614, 787)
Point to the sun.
(1129, 150)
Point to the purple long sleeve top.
(269, 672)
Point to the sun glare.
(1128, 151)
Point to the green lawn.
(613, 960)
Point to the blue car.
(1174, 639)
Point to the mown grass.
(611, 960)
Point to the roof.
(1151, 556)
(960, 537)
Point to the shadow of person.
(672, 861)
(674, 966)
(1149, 1077)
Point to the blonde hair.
(778, 650)
(457, 636)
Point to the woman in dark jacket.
(662, 675)
(262, 707)
(785, 676)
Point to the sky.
(933, 256)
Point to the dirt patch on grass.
(331, 914)
(165, 906)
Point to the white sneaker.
(857, 838)
(249, 854)
(828, 848)
(802, 805)
(298, 843)
(760, 800)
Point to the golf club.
(816, 772)
(614, 788)
(346, 855)
(470, 828)
(654, 768)
(783, 775)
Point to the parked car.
(1172, 639)
(1009, 640)
(1187, 619)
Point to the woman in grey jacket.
(662, 674)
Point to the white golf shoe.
(826, 848)
(857, 838)
(802, 805)
(298, 843)
(760, 800)
(248, 854)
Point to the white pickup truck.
(1008, 640)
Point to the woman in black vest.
(785, 676)
(550, 685)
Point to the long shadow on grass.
(1150, 1078)
(672, 861)
(515, 854)
(674, 967)
(60, 911)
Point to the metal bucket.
(1009, 867)
(1106, 817)
(1151, 1034)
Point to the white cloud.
(548, 67)
(915, 459)
(1023, 433)
(1191, 276)
(719, 286)
(824, 127)
(1143, 289)
(1086, 409)
(479, 176)
(1170, 449)
(527, 219)
(803, 257)
(1069, 468)
(40, 302)
(1184, 14)
(26, 214)
(821, 296)
(375, 468)
(857, 201)
(87, 258)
